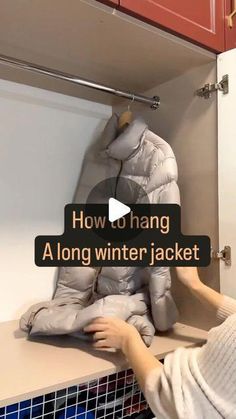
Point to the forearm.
(207, 296)
(210, 298)
(140, 358)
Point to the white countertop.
(29, 368)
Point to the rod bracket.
(156, 102)
(207, 90)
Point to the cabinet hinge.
(208, 89)
(224, 255)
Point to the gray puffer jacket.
(84, 293)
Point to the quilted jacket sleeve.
(163, 308)
(76, 282)
(73, 292)
(144, 326)
(67, 316)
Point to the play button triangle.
(116, 209)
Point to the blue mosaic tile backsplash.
(113, 397)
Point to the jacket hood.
(122, 145)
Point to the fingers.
(98, 324)
(99, 335)
(95, 327)
(100, 320)
(101, 344)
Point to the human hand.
(188, 275)
(110, 332)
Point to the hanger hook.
(129, 105)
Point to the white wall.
(189, 124)
(43, 137)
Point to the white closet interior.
(47, 125)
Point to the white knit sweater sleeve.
(173, 393)
(192, 382)
(226, 309)
(159, 389)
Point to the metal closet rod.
(24, 65)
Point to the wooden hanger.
(125, 118)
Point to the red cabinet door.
(230, 32)
(201, 21)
